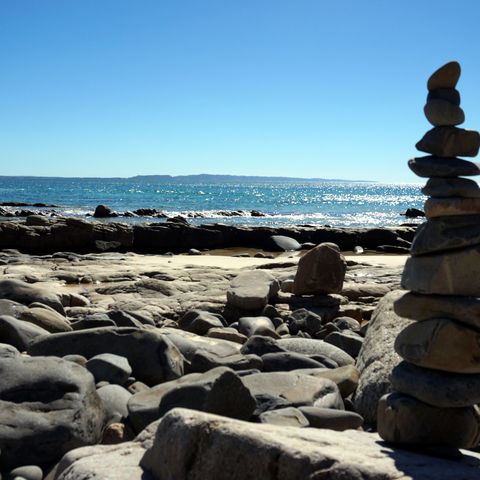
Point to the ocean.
(282, 203)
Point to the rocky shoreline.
(144, 366)
(39, 234)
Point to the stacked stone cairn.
(437, 385)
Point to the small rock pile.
(437, 386)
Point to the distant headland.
(202, 178)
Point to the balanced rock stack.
(437, 386)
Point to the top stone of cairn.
(445, 77)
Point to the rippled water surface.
(332, 203)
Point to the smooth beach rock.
(191, 444)
(227, 333)
(436, 387)
(349, 342)
(199, 322)
(451, 187)
(284, 417)
(377, 357)
(450, 142)
(152, 356)
(50, 320)
(115, 399)
(332, 419)
(445, 77)
(252, 290)
(204, 360)
(424, 307)
(405, 420)
(25, 293)
(433, 166)
(261, 325)
(11, 308)
(346, 378)
(308, 346)
(109, 367)
(304, 320)
(189, 344)
(442, 207)
(19, 333)
(321, 270)
(451, 95)
(441, 113)
(27, 472)
(8, 351)
(441, 344)
(218, 391)
(455, 272)
(294, 389)
(446, 233)
(287, 361)
(282, 243)
(47, 407)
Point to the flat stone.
(47, 407)
(441, 344)
(454, 272)
(445, 77)
(432, 166)
(203, 360)
(346, 378)
(436, 387)
(338, 420)
(446, 233)
(450, 142)
(294, 388)
(252, 290)
(451, 187)
(424, 307)
(451, 95)
(195, 445)
(287, 361)
(442, 207)
(308, 346)
(377, 357)
(152, 356)
(227, 333)
(405, 420)
(48, 319)
(321, 270)
(284, 417)
(441, 113)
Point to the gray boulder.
(283, 243)
(109, 367)
(377, 357)
(321, 270)
(218, 391)
(19, 333)
(152, 356)
(25, 293)
(252, 290)
(261, 325)
(308, 346)
(115, 399)
(48, 406)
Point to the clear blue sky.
(305, 88)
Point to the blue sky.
(304, 88)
